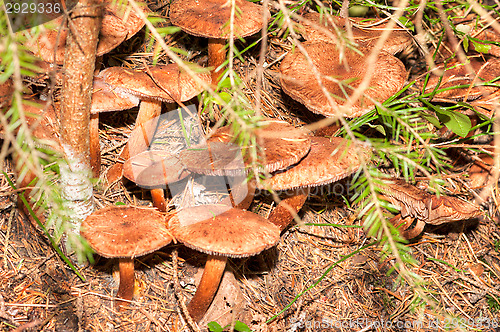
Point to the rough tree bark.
(84, 25)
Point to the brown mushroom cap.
(299, 81)
(219, 230)
(328, 161)
(154, 169)
(127, 16)
(365, 32)
(209, 18)
(118, 24)
(456, 74)
(125, 231)
(448, 209)
(176, 85)
(50, 43)
(281, 145)
(104, 99)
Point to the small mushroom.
(155, 169)
(299, 82)
(167, 83)
(279, 146)
(210, 19)
(42, 122)
(431, 209)
(51, 45)
(104, 100)
(221, 232)
(125, 232)
(328, 161)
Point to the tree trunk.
(84, 25)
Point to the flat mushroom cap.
(215, 230)
(365, 32)
(125, 231)
(104, 99)
(176, 85)
(154, 169)
(281, 145)
(209, 18)
(328, 161)
(299, 82)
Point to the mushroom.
(426, 208)
(209, 19)
(167, 83)
(328, 161)
(125, 232)
(221, 232)
(364, 31)
(299, 82)
(154, 169)
(51, 45)
(42, 123)
(279, 146)
(104, 100)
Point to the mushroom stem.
(216, 57)
(158, 197)
(289, 206)
(127, 281)
(212, 275)
(404, 226)
(95, 149)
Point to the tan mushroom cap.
(281, 145)
(299, 81)
(176, 85)
(329, 160)
(217, 230)
(209, 18)
(366, 32)
(456, 74)
(125, 231)
(154, 169)
(104, 99)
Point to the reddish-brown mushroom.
(221, 232)
(125, 232)
(299, 81)
(328, 161)
(210, 19)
